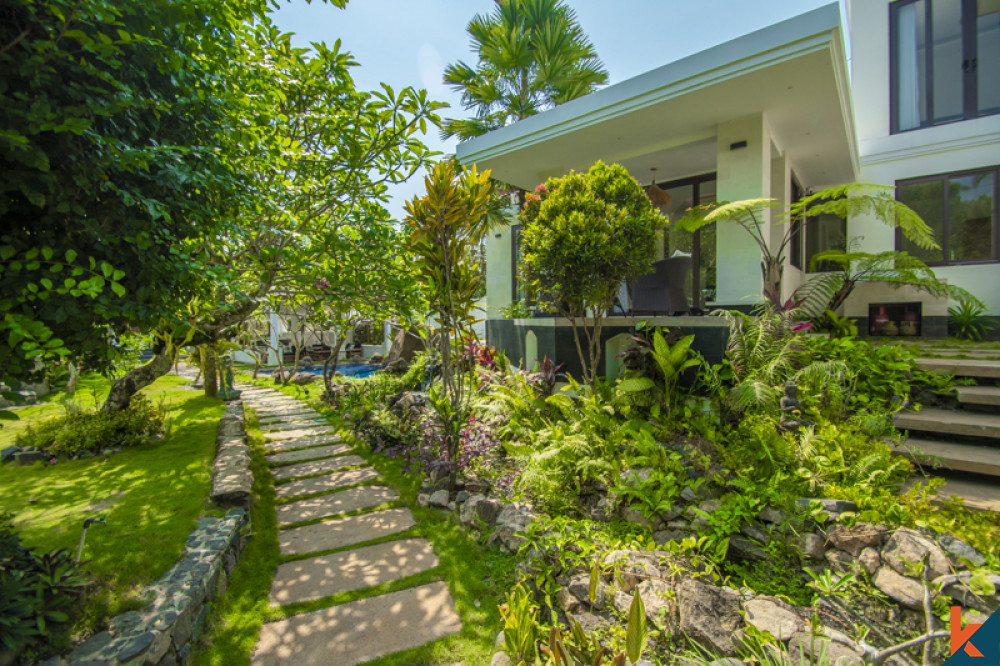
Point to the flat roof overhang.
(793, 72)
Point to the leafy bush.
(81, 432)
(968, 320)
(35, 590)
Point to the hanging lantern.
(658, 196)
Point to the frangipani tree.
(844, 201)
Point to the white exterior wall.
(887, 158)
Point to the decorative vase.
(890, 328)
(907, 328)
(880, 320)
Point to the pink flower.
(53, 460)
(541, 188)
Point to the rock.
(303, 378)
(422, 499)
(698, 521)
(741, 548)
(903, 590)
(124, 623)
(579, 587)
(635, 477)
(962, 594)
(136, 646)
(477, 486)
(909, 546)
(709, 615)
(29, 457)
(771, 515)
(407, 402)
(404, 347)
(661, 537)
(689, 495)
(91, 646)
(568, 602)
(959, 550)
(452, 506)
(855, 538)
(870, 560)
(622, 601)
(501, 659)
(770, 617)
(603, 511)
(438, 498)
(478, 508)
(755, 532)
(660, 602)
(500, 641)
(512, 519)
(461, 496)
(812, 545)
(7, 454)
(633, 515)
(828, 505)
(633, 567)
(804, 648)
(839, 561)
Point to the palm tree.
(533, 55)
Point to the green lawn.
(151, 497)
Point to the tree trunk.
(74, 378)
(136, 380)
(771, 271)
(208, 367)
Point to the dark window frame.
(796, 255)
(946, 222)
(970, 66)
(695, 182)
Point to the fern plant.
(671, 361)
(968, 321)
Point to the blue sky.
(410, 42)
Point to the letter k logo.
(960, 636)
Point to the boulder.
(855, 538)
(479, 508)
(303, 378)
(8, 453)
(870, 560)
(812, 545)
(906, 546)
(29, 457)
(512, 519)
(438, 498)
(633, 567)
(501, 659)
(772, 618)
(407, 402)
(771, 515)
(839, 561)
(403, 348)
(579, 587)
(959, 551)
(742, 548)
(631, 514)
(660, 603)
(805, 648)
(375, 359)
(903, 590)
(709, 615)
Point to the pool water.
(357, 370)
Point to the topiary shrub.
(91, 432)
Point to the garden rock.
(755, 532)
(839, 561)
(438, 498)
(963, 594)
(622, 601)
(500, 659)
(769, 616)
(771, 515)
(804, 648)
(422, 499)
(833, 507)
(855, 538)
(8, 453)
(303, 378)
(28, 457)
(907, 546)
(959, 550)
(407, 402)
(812, 545)
(477, 486)
(567, 602)
(709, 615)
(579, 587)
(512, 519)
(741, 548)
(903, 590)
(402, 350)
(461, 496)
(479, 508)
(633, 515)
(660, 602)
(870, 560)
(633, 567)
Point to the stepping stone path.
(327, 484)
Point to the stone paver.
(301, 442)
(321, 484)
(344, 531)
(300, 432)
(308, 454)
(315, 467)
(318, 577)
(361, 630)
(291, 425)
(345, 501)
(285, 416)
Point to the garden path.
(337, 535)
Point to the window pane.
(824, 232)
(927, 200)
(677, 240)
(946, 31)
(988, 56)
(706, 194)
(970, 217)
(911, 65)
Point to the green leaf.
(595, 578)
(636, 384)
(118, 289)
(70, 256)
(636, 634)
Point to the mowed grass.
(151, 497)
(477, 577)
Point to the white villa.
(913, 102)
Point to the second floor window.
(944, 61)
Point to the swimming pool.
(357, 370)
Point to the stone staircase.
(961, 444)
(334, 539)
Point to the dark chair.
(663, 292)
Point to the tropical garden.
(174, 172)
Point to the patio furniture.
(354, 351)
(663, 292)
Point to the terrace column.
(743, 172)
(275, 336)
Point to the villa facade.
(912, 103)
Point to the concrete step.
(961, 367)
(983, 495)
(979, 395)
(952, 455)
(945, 422)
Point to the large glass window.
(961, 209)
(944, 61)
(700, 245)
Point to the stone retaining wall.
(162, 634)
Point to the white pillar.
(275, 337)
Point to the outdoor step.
(299, 432)
(967, 424)
(302, 455)
(315, 467)
(954, 456)
(318, 577)
(983, 495)
(360, 631)
(290, 425)
(322, 484)
(344, 532)
(285, 416)
(961, 367)
(301, 442)
(325, 506)
(979, 395)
